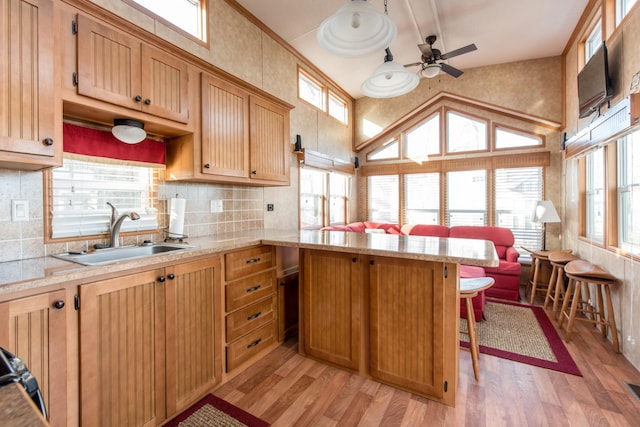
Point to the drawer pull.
(253, 288)
(254, 343)
(255, 315)
(253, 260)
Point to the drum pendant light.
(357, 29)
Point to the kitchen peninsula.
(383, 306)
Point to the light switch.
(19, 210)
(215, 206)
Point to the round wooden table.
(469, 288)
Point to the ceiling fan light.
(357, 29)
(128, 130)
(430, 70)
(388, 80)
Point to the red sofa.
(506, 274)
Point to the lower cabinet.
(392, 319)
(149, 344)
(34, 329)
(288, 306)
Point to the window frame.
(385, 146)
(325, 197)
(472, 117)
(204, 21)
(336, 97)
(505, 128)
(405, 134)
(316, 82)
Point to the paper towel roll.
(176, 217)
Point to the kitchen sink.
(111, 255)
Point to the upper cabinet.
(30, 136)
(117, 68)
(244, 138)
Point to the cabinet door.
(108, 64)
(225, 129)
(26, 79)
(164, 85)
(332, 306)
(122, 381)
(35, 330)
(193, 333)
(408, 300)
(269, 141)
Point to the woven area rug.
(211, 411)
(522, 333)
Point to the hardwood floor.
(286, 389)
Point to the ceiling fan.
(430, 57)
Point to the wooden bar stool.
(469, 288)
(555, 290)
(581, 273)
(538, 260)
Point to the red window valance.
(99, 143)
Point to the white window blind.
(312, 188)
(422, 198)
(595, 196)
(629, 193)
(81, 190)
(466, 198)
(383, 198)
(338, 192)
(516, 192)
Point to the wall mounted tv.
(594, 84)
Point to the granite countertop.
(16, 408)
(51, 273)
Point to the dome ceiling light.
(389, 79)
(128, 130)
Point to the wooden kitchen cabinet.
(117, 68)
(251, 324)
(30, 136)
(269, 146)
(150, 343)
(34, 329)
(332, 298)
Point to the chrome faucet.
(116, 223)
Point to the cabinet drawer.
(250, 345)
(249, 318)
(249, 290)
(249, 261)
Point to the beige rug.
(522, 333)
(212, 411)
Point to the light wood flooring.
(286, 389)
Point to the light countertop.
(49, 272)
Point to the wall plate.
(19, 210)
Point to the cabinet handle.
(48, 141)
(207, 165)
(147, 101)
(58, 304)
(253, 288)
(137, 98)
(354, 259)
(255, 343)
(255, 315)
(162, 279)
(253, 260)
(254, 172)
(372, 262)
(171, 276)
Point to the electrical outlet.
(270, 207)
(19, 210)
(215, 206)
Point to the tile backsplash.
(242, 209)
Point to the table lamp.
(544, 212)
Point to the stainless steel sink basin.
(111, 255)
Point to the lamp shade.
(357, 29)
(545, 212)
(430, 70)
(388, 80)
(128, 131)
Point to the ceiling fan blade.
(425, 49)
(413, 65)
(456, 52)
(450, 70)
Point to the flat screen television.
(594, 84)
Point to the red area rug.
(213, 411)
(522, 333)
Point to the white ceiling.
(503, 30)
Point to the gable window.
(189, 16)
(629, 193)
(383, 198)
(465, 133)
(422, 198)
(81, 189)
(595, 196)
(337, 108)
(423, 140)
(390, 150)
(466, 198)
(506, 138)
(622, 8)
